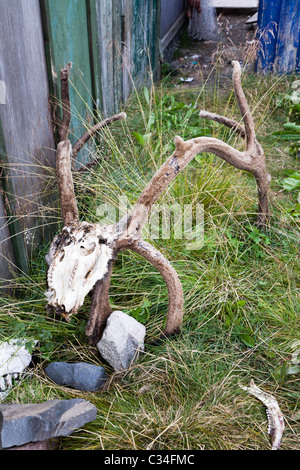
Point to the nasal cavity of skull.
(87, 274)
(102, 240)
(60, 309)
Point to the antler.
(93, 130)
(68, 204)
(126, 234)
(251, 160)
(65, 151)
(256, 165)
(101, 309)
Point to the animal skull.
(78, 258)
(81, 255)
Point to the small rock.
(48, 444)
(23, 423)
(80, 375)
(122, 340)
(14, 358)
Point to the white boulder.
(122, 340)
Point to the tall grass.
(241, 289)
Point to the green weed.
(241, 288)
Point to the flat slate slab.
(33, 422)
(80, 375)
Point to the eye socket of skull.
(87, 250)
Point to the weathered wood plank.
(27, 142)
(104, 9)
(117, 52)
(13, 223)
(109, 50)
(128, 44)
(145, 40)
(154, 38)
(66, 29)
(127, 48)
(7, 258)
(94, 53)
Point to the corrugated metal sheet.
(279, 30)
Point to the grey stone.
(33, 422)
(48, 444)
(80, 375)
(122, 340)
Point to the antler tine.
(93, 130)
(184, 152)
(247, 132)
(252, 160)
(65, 99)
(244, 108)
(65, 151)
(68, 203)
(231, 123)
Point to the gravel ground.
(194, 60)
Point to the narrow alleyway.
(194, 62)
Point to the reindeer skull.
(77, 259)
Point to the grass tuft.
(241, 288)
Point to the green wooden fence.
(113, 45)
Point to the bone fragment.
(275, 416)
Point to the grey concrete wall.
(170, 12)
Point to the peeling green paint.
(66, 24)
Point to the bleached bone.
(274, 414)
(14, 358)
(78, 258)
(81, 257)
